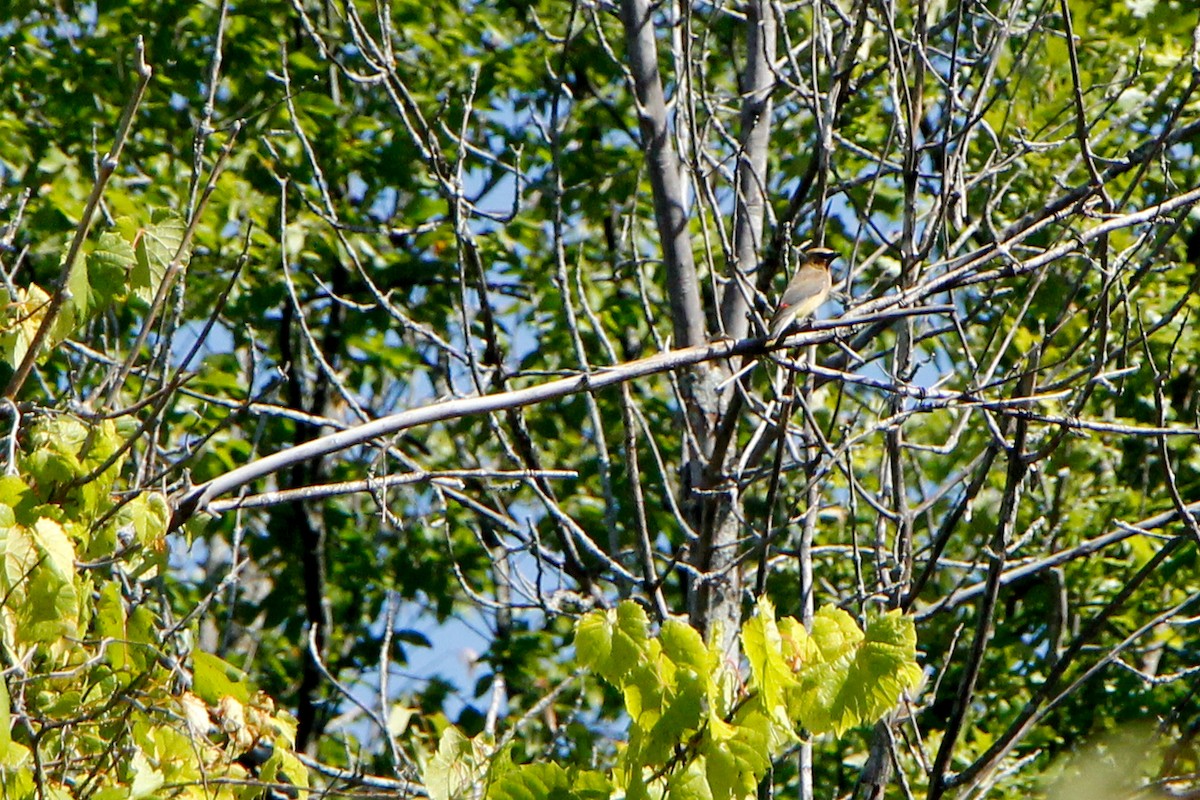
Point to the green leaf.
(216, 678)
(110, 624)
(39, 566)
(644, 694)
(146, 779)
(855, 678)
(835, 633)
(680, 718)
(690, 783)
(614, 641)
(459, 765)
(109, 265)
(284, 767)
(770, 673)
(16, 773)
(721, 773)
(149, 515)
(155, 247)
(23, 315)
(52, 541)
(544, 781)
(142, 631)
(54, 452)
(15, 496)
(134, 641)
(683, 645)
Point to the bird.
(805, 292)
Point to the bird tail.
(778, 327)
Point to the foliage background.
(416, 202)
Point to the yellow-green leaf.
(216, 678)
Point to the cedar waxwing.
(805, 293)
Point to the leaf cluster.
(696, 730)
(101, 697)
